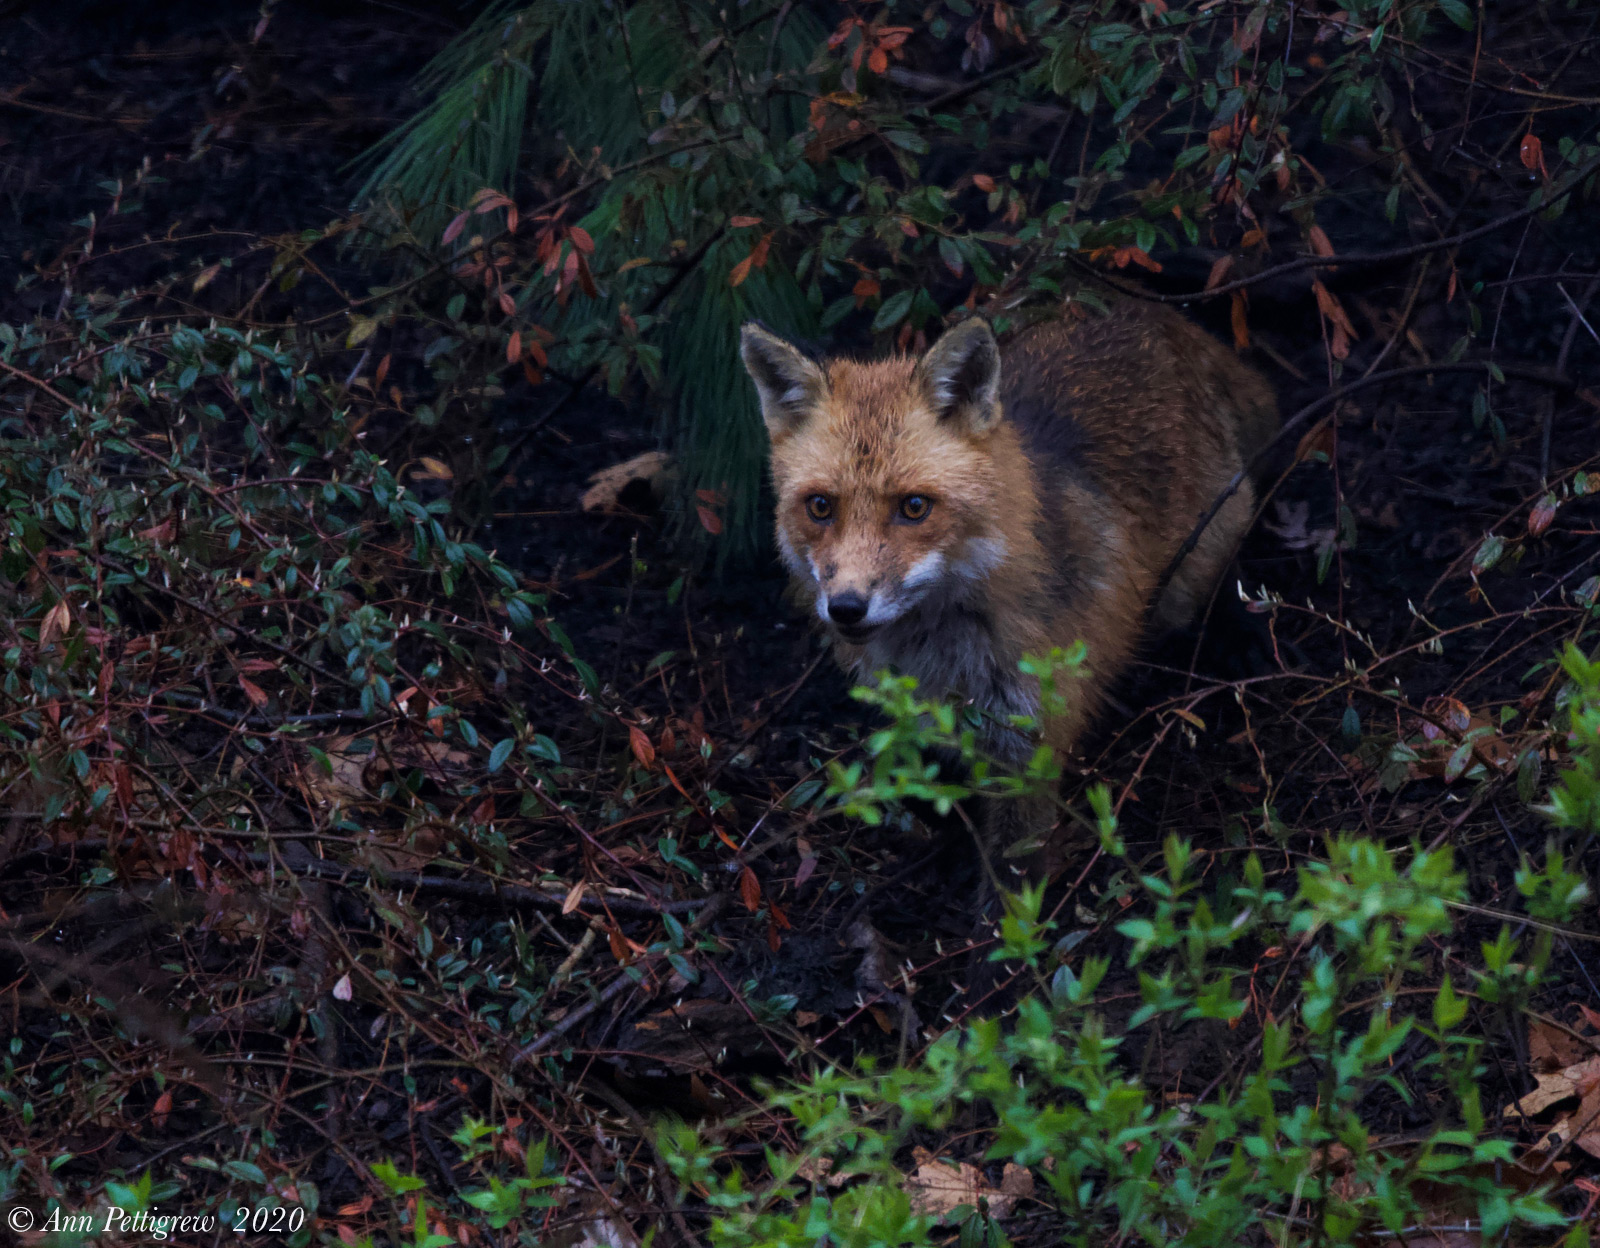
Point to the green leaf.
(1448, 1009)
(894, 310)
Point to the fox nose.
(848, 609)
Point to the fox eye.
(915, 507)
(820, 508)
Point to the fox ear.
(961, 374)
(789, 384)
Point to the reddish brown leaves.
(1542, 515)
(876, 43)
(1320, 245)
(1239, 321)
(1125, 255)
(1343, 332)
(705, 509)
(640, 744)
(750, 890)
(757, 259)
(1219, 271)
(1532, 154)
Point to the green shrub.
(1309, 991)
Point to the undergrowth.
(1283, 1148)
(695, 164)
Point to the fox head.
(889, 493)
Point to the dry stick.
(1373, 257)
(662, 1169)
(467, 889)
(1567, 340)
(711, 907)
(1522, 372)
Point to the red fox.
(944, 516)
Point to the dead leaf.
(342, 991)
(818, 1171)
(1559, 1085)
(640, 744)
(56, 622)
(253, 691)
(1544, 511)
(1320, 245)
(607, 485)
(1551, 1048)
(1219, 271)
(1344, 333)
(436, 469)
(938, 1188)
(162, 1107)
(574, 897)
(750, 890)
(1240, 321)
(1532, 154)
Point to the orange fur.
(1062, 474)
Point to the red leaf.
(453, 230)
(162, 1107)
(642, 749)
(1532, 151)
(878, 62)
(535, 376)
(514, 347)
(983, 181)
(253, 691)
(1544, 511)
(740, 271)
(1320, 244)
(580, 239)
(709, 520)
(741, 222)
(1139, 256)
(749, 890)
(508, 305)
(586, 278)
(1240, 322)
(1219, 271)
(383, 369)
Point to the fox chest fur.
(945, 515)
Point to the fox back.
(946, 515)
